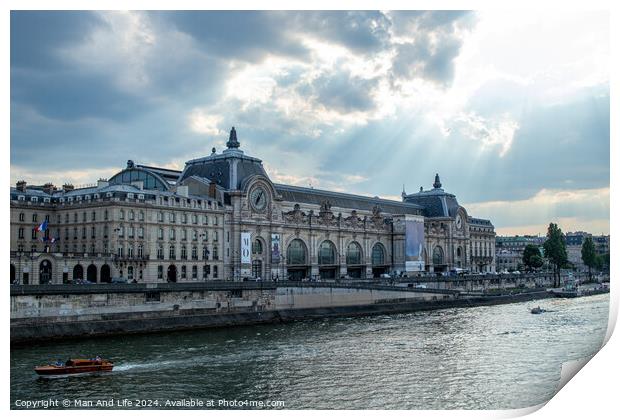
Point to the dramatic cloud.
(507, 107)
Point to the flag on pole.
(42, 227)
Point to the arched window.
(354, 254)
(149, 180)
(257, 247)
(378, 254)
(91, 273)
(45, 272)
(78, 272)
(327, 253)
(437, 256)
(296, 253)
(105, 273)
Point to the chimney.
(101, 183)
(68, 187)
(183, 190)
(21, 185)
(49, 188)
(212, 189)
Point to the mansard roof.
(436, 202)
(294, 194)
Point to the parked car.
(82, 281)
(119, 280)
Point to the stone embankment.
(44, 312)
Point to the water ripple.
(474, 358)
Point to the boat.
(75, 366)
(573, 293)
(538, 310)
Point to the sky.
(511, 108)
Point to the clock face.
(258, 199)
(458, 221)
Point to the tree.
(555, 251)
(531, 257)
(588, 255)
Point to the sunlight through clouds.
(504, 104)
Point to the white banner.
(246, 250)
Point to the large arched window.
(296, 253)
(150, 180)
(378, 254)
(327, 253)
(437, 256)
(354, 254)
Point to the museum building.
(223, 218)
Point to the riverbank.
(55, 314)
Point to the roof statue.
(232, 140)
(437, 183)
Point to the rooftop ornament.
(232, 140)
(437, 183)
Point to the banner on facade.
(414, 244)
(246, 250)
(275, 248)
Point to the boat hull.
(75, 369)
(581, 293)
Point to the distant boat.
(538, 310)
(573, 293)
(75, 366)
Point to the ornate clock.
(459, 222)
(258, 198)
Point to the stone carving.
(377, 221)
(353, 221)
(326, 217)
(295, 216)
(437, 229)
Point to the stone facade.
(223, 218)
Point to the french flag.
(42, 227)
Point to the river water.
(495, 357)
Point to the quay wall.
(57, 311)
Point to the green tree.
(588, 255)
(555, 251)
(532, 257)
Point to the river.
(495, 357)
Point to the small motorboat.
(75, 366)
(538, 310)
